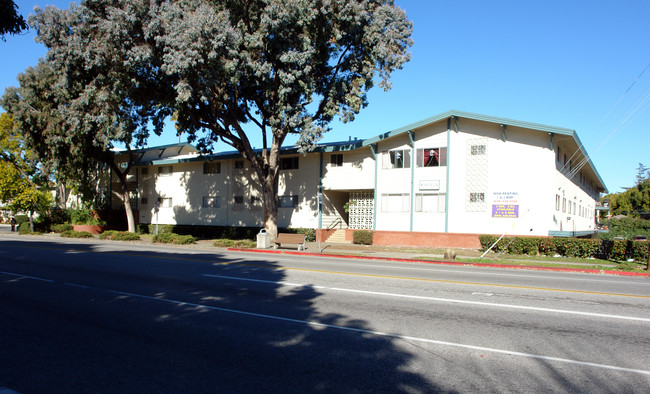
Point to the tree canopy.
(634, 201)
(11, 22)
(23, 183)
(280, 66)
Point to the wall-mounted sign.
(505, 205)
(430, 185)
(505, 211)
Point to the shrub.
(21, 219)
(523, 245)
(310, 233)
(546, 247)
(168, 238)
(184, 240)
(24, 228)
(59, 228)
(76, 234)
(119, 235)
(362, 237)
(164, 238)
(85, 216)
(224, 243)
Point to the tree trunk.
(269, 196)
(125, 194)
(130, 220)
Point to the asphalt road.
(99, 316)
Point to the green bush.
(119, 235)
(21, 219)
(362, 237)
(310, 233)
(85, 216)
(168, 238)
(24, 228)
(59, 228)
(224, 243)
(185, 240)
(76, 234)
(546, 247)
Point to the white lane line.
(350, 329)
(379, 333)
(491, 304)
(27, 277)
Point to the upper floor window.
(212, 168)
(289, 163)
(288, 201)
(165, 170)
(144, 170)
(431, 157)
(211, 202)
(165, 202)
(239, 164)
(397, 159)
(336, 160)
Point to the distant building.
(437, 182)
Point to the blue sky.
(572, 64)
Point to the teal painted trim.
(412, 142)
(591, 164)
(447, 180)
(469, 115)
(320, 191)
(373, 152)
(503, 132)
(570, 234)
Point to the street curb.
(486, 265)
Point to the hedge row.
(618, 250)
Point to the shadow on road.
(136, 320)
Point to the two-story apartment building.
(438, 182)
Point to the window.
(395, 202)
(239, 200)
(564, 204)
(558, 154)
(569, 208)
(143, 201)
(211, 202)
(431, 157)
(397, 159)
(477, 197)
(165, 202)
(288, 201)
(429, 202)
(557, 202)
(212, 168)
(239, 164)
(289, 163)
(477, 150)
(144, 171)
(165, 170)
(255, 200)
(336, 160)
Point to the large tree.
(281, 66)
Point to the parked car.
(640, 238)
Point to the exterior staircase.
(338, 237)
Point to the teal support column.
(319, 198)
(503, 132)
(412, 143)
(550, 141)
(373, 152)
(447, 191)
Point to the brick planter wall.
(422, 239)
